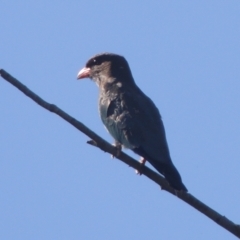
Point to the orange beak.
(84, 73)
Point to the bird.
(129, 115)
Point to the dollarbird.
(129, 115)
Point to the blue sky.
(185, 55)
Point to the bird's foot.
(142, 162)
(118, 147)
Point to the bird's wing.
(134, 121)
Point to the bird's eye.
(96, 61)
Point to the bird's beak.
(84, 73)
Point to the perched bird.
(129, 115)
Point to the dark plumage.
(129, 115)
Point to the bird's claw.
(118, 147)
(142, 162)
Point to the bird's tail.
(171, 174)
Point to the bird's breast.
(113, 115)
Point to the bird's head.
(105, 69)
